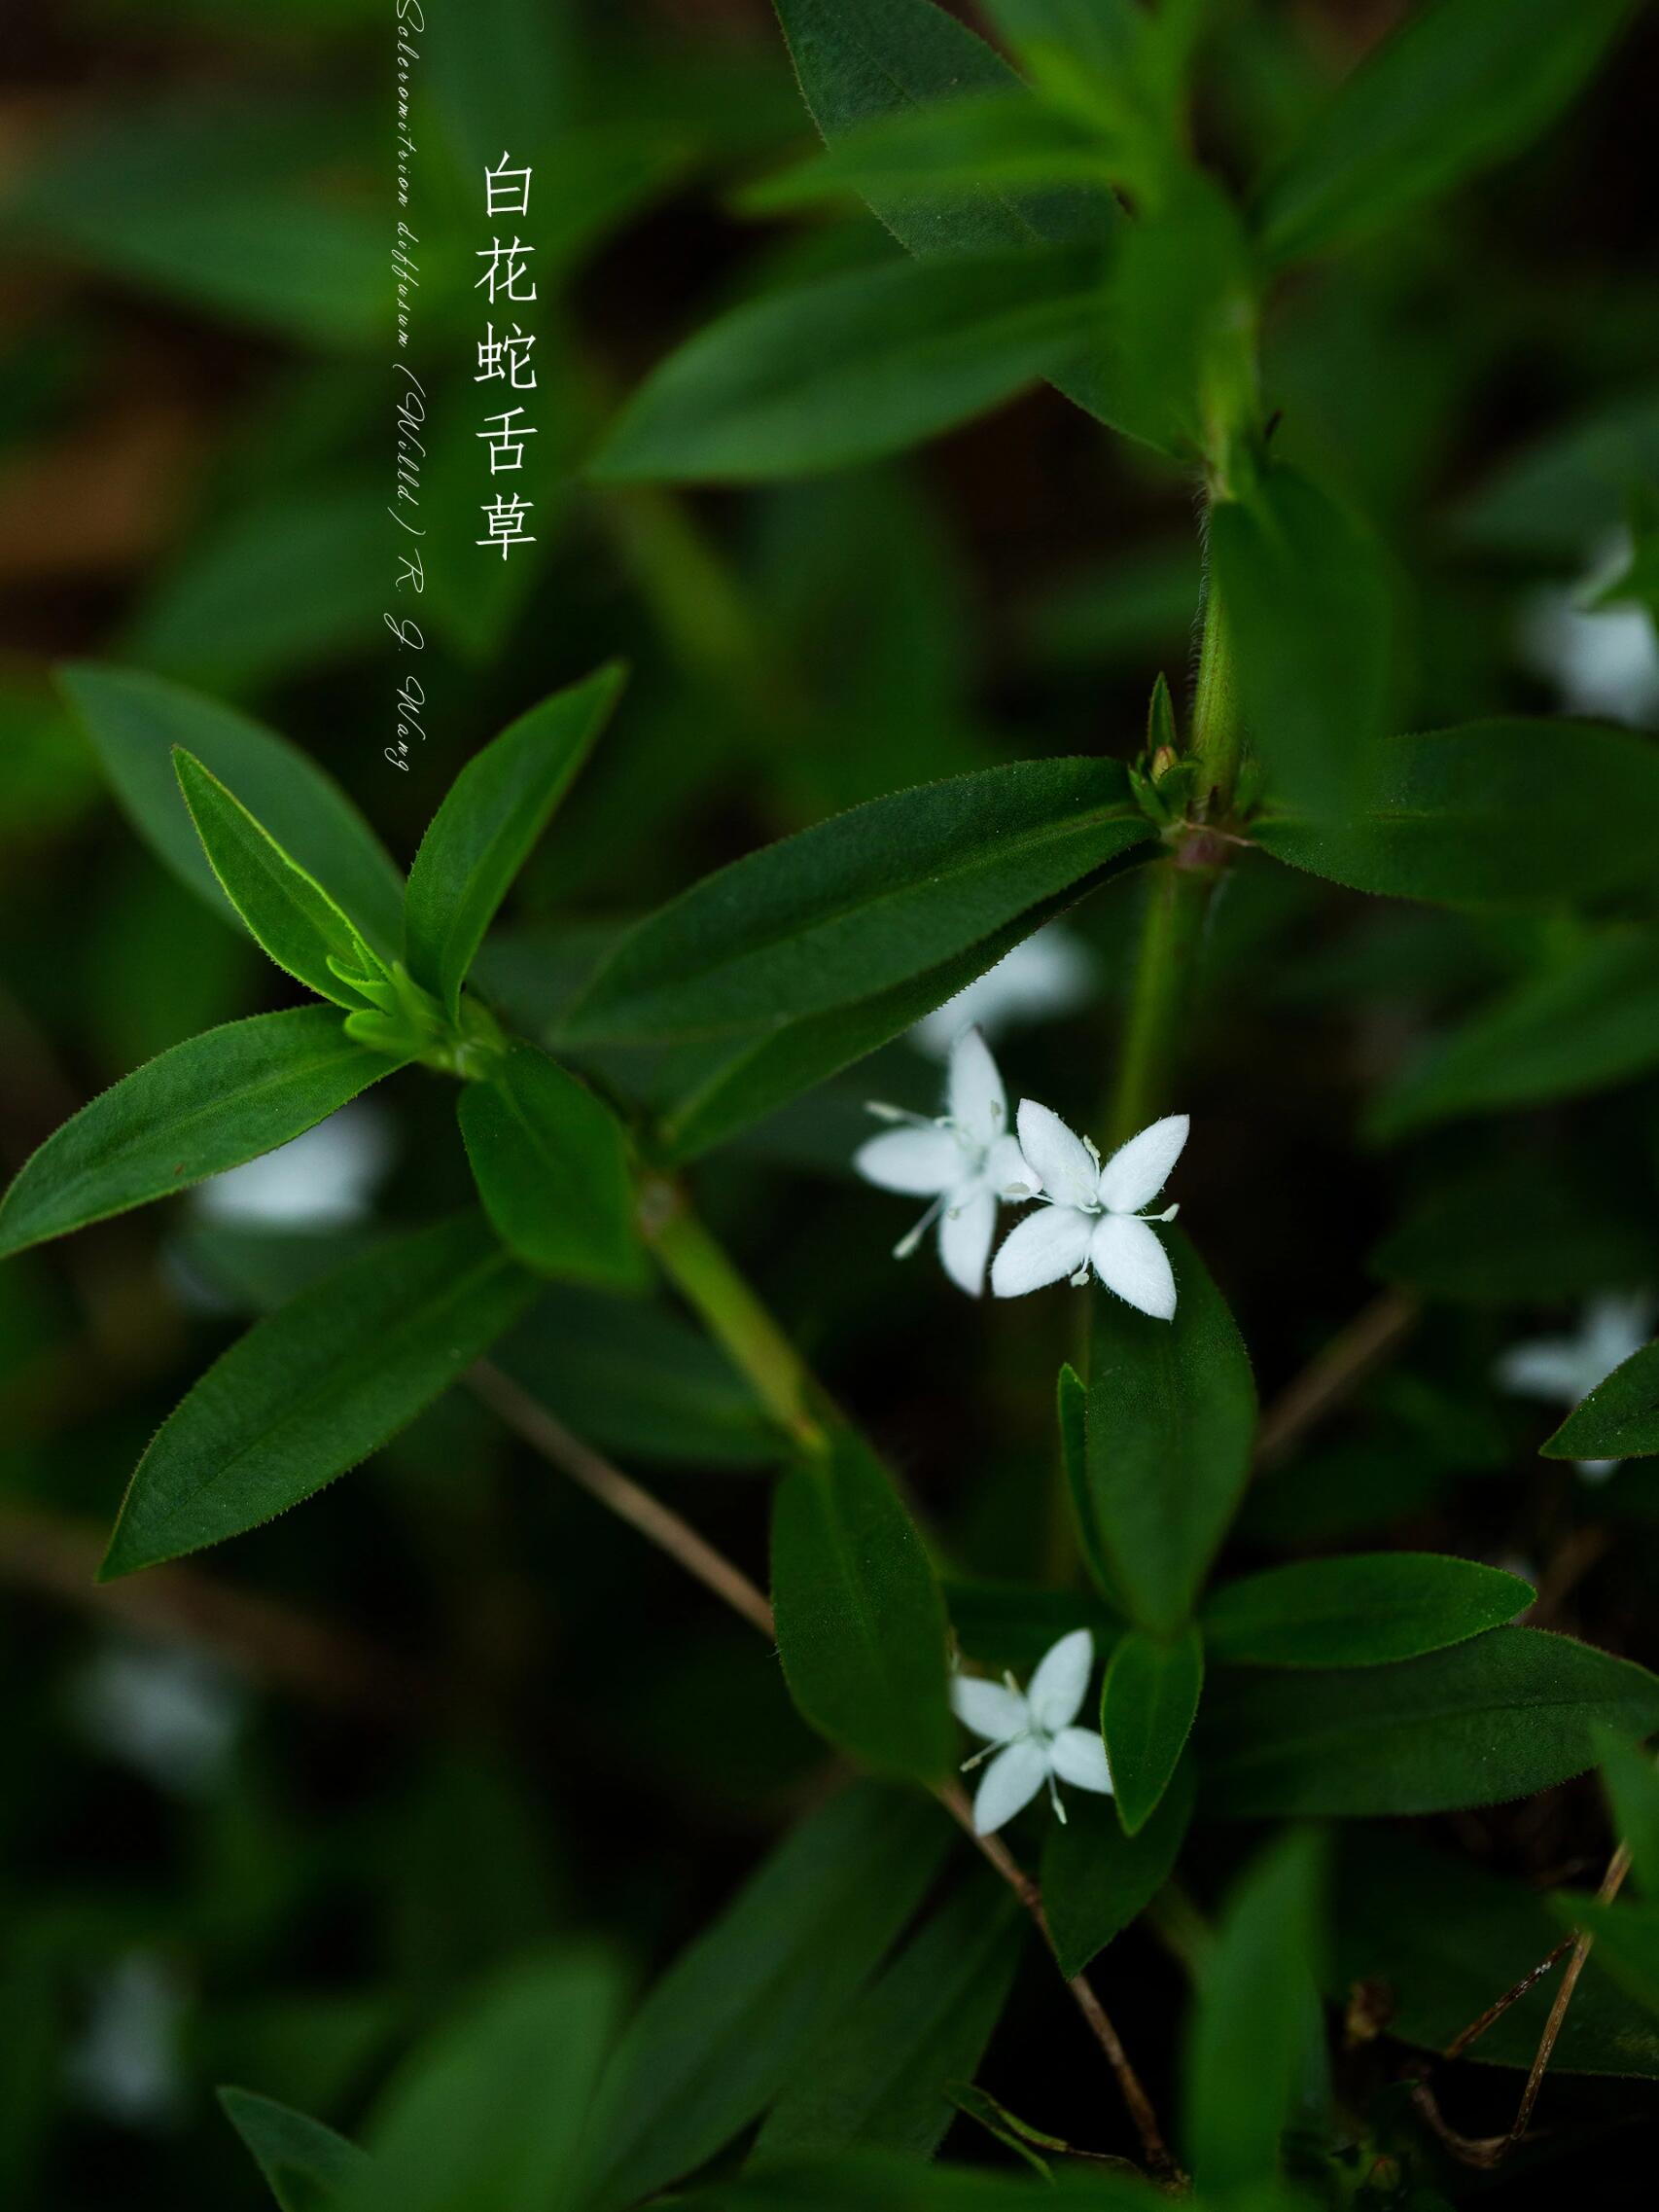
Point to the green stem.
(1178, 900)
(734, 1316)
(1217, 728)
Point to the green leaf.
(1012, 1625)
(551, 1167)
(1525, 1228)
(209, 1104)
(1632, 1783)
(1571, 488)
(1362, 1611)
(1171, 1423)
(487, 2115)
(316, 1387)
(1586, 1021)
(288, 914)
(868, 900)
(309, 2167)
(738, 2012)
(1464, 85)
(854, 366)
(1509, 813)
(874, 2181)
(861, 1621)
(487, 825)
(1509, 1712)
(1618, 1420)
(1096, 1878)
(1071, 1402)
(1627, 1941)
(1146, 1711)
(1006, 2128)
(879, 2077)
(1305, 602)
(135, 721)
(1255, 2009)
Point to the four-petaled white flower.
(965, 1162)
(1091, 1215)
(1041, 976)
(1564, 1369)
(1031, 1739)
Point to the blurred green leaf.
(740, 2010)
(1632, 1783)
(1146, 1711)
(1256, 2008)
(853, 367)
(490, 819)
(1582, 1023)
(1171, 1424)
(1627, 1941)
(1361, 1611)
(861, 1621)
(1096, 1878)
(1559, 496)
(316, 1387)
(879, 2077)
(1620, 1417)
(309, 2166)
(203, 1107)
(871, 899)
(1491, 814)
(1462, 84)
(550, 1163)
(288, 914)
(1517, 1228)
(1507, 1713)
(1012, 1625)
(134, 722)
(1072, 1404)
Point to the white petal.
(974, 1092)
(921, 1162)
(1046, 1247)
(988, 1708)
(1007, 1168)
(1079, 1757)
(1614, 1329)
(1011, 1780)
(1551, 1367)
(1138, 1170)
(1129, 1260)
(965, 1229)
(1060, 1157)
(1598, 1470)
(1056, 1689)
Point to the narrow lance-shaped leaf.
(1171, 1422)
(134, 721)
(1509, 1712)
(288, 914)
(316, 1387)
(551, 1168)
(861, 1621)
(739, 2010)
(856, 905)
(1632, 1781)
(1257, 2010)
(878, 2078)
(487, 825)
(1509, 813)
(1146, 1711)
(1096, 1879)
(1362, 1611)
(207, 1105)
(1618, 1420)
(855, 366)
(309, 2167)
(1072, 1404)
(1460, 86)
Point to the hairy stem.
(1218, 729)
(1177, 902)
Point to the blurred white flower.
(1043, 976)
(172, 1714)
(1603, 661)
(127, 2065)
(323, 1179)
(1030, 1736)
(1091, 1213)
(965, 1162)
(1563, 1370)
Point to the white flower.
(1030, 1737)
(965, 1162)
(1091, 1213)
(1563, 1370)
(1044, 975)
(1604, 661)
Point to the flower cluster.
(1090, 1212)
